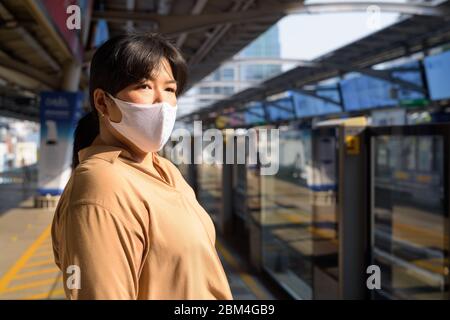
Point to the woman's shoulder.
(97, 181)
(98, 173)
(101, 185)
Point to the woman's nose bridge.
(158, 94)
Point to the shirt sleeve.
(100, 254)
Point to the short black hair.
(130, 58)
(119, 62)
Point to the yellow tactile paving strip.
(34, 275)
(249, 279)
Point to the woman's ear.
(101, 101)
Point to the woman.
(127, 225)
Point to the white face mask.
(148, 126)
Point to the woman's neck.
(133, 152)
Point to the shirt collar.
(111, 153)
(99, 149)
(105, 152)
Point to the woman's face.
(161, 88)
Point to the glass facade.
(266, 46)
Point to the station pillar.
(226, 210)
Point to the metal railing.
(24, 175)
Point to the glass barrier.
(409, 216)
(286, 215)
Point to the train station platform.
(323, 162)
(28, 271)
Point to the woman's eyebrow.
(170, 81)
(153, 79)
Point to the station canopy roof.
(411, 34)
(37, 49)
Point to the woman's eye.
(171, 89)
(144, 86)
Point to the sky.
(307, 36)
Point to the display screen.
(307, 106)
(281, 109)
(254, 114)
(364, 92)
(437, 69)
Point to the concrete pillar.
(71, 76)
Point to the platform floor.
(27, 268)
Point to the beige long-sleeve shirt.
(134, 230)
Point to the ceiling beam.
(28, 71)
(22, 33)
(218, 33)
(177, 24)
(44, 23)
(37, 48)
(196, 10)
